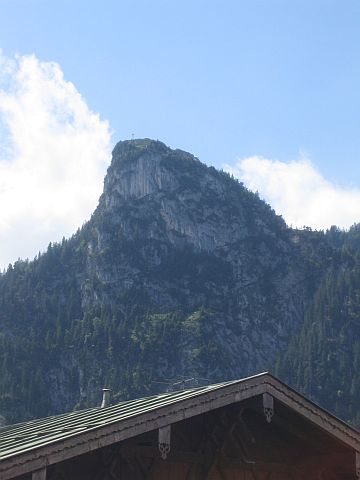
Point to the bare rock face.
(190, 237)
(178, 186)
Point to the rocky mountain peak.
(128, 150)
(141, 167)
(169, 195)
(140, 145)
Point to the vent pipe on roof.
(106, 398)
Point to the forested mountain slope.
(181, 271)
(323, 358)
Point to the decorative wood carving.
(268, 404)
(164, 441)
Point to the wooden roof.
(33, 445)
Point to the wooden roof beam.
(39, 474)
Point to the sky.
(268, 90)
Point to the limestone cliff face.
(191, 237)
(188, 196)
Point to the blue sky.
(226, 80)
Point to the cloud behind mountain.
(299, 192)
(53, 156)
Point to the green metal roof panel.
(23, 437)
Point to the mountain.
(181, 272)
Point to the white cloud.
(298, 192)
(53, 156)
